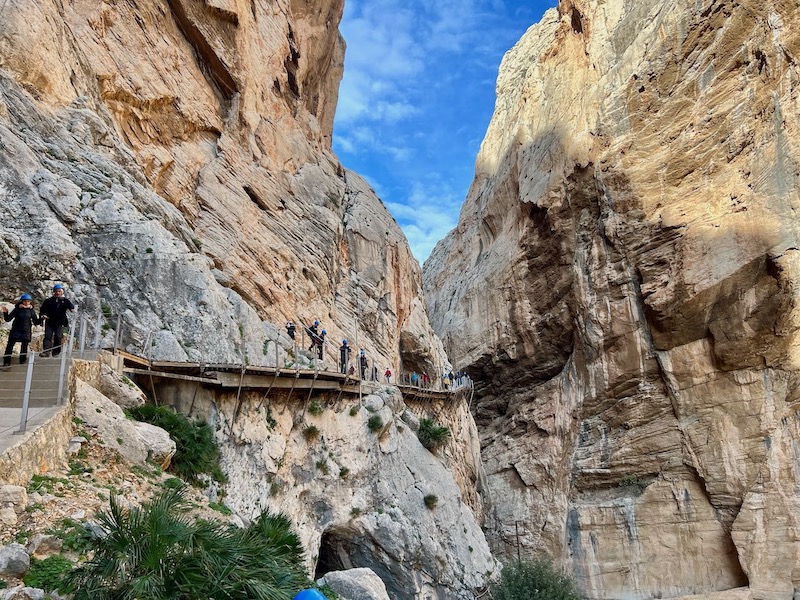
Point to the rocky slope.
(626, 276)
(171, 163)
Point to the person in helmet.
(321, 343)
(313, 332)
(24, 318)
(344, 356)
(290, 329)
(362, 363)
(54, 316)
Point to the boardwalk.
(232, 376)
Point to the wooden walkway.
(232, 376)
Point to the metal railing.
(40, 383)
(89, 333)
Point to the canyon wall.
(623, 282)
(171, 163)
(357, 483)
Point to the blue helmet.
(58, 286)
(316, 322)
(309, 595)
(324, 332)
(344, 342)
(25, 297)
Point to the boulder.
(160, 447)
(42, 545)
(14, 560)
(113, 427)
(23, 593)
(119, 389)
(356, 584)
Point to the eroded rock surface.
(172, 164)
(359, 495)
(623, 282)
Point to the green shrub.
(431, 500)
(196, 451)
(315, 408)
(322, 465)
(633, 484)
(344, 472)
(375, 423)
(431, 435)
(536, 580)
(173, 483)
(47, 574)
(156, 552)
(354, 410)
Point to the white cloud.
(428, 213)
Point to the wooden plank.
(166, 375)
(283, 382)
(133, 358)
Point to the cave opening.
(335, 553)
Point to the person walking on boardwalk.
(321, 343)
(374, 371)
(54, 316)
(362, 360)
(290, 329)
(313, 332)
(414, 378)
(344, 356)
(24, 318)
(388, 374)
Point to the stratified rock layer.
(623, 280)
(171, 163)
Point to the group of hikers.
(317, 338)
(52, 314)
(368, 372)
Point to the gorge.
(621, 285)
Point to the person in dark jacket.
(362, 360)
(54, 316)
(24, 318)
(344, 356)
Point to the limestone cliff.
(360, 494)
(171, 162)
(623, 281)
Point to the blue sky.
(416, 98)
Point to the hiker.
(290, 329)
(362, 359)
(414, 378)
(54, 316)
(426, 379)
(321, 343)
(313, 332)
(24, 317)
(344, 356)
(388, 374)
(374, 371)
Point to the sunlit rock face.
(622, 281)
(172, 161)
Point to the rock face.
(360, 495)
(172, 164)
(623, 284)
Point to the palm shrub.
(431, 435)
(196, 450)
(537, 580)
(155, 552)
